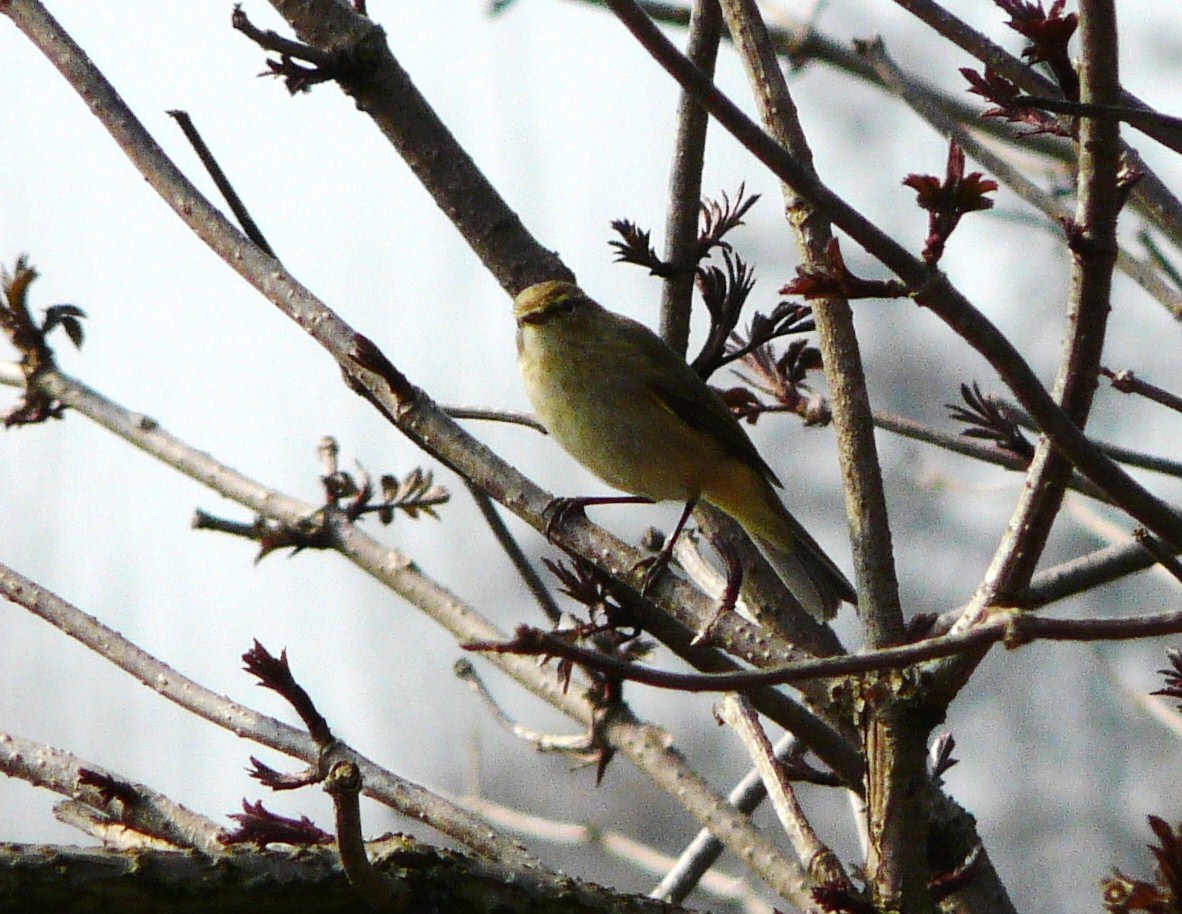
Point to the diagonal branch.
(818, 860)
(384, 91)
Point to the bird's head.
(545, 302)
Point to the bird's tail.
(809, 574)
(799, 561)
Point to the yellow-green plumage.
(630, 409)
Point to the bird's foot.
(661, 560)
(559, 511)
(653, 566)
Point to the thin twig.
(1117, 452)
(638, 856)
(1160, 553)
(272, 41)
(517, 557)
(1164, 128)
(1067, 579)
(1159, 258)
(112, 833)
(758, 852)
(542, 742)
(1127, 382)
(229, 194)
(1084, 573)
(968, 447)
(688, 554)
(1015, 627)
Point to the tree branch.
(1155, 198)
(118, 800)
(383, 785)
(819, 861)
(685, 182)
(1014, 627)
(1092, 239)
(384, 91)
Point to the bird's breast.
(602, 412)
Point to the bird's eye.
(565, 305)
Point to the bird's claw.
(559, 511)
(653, 566)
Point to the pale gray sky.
(571, 121)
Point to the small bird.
(630, 410)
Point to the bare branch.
(685, 181)
(1014, 627)
(172, 685)
(516, 555)
(1092, 239)
(819, 861)
(117, 801)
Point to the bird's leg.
(561, 509)
(730, 596)
(660, 561)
